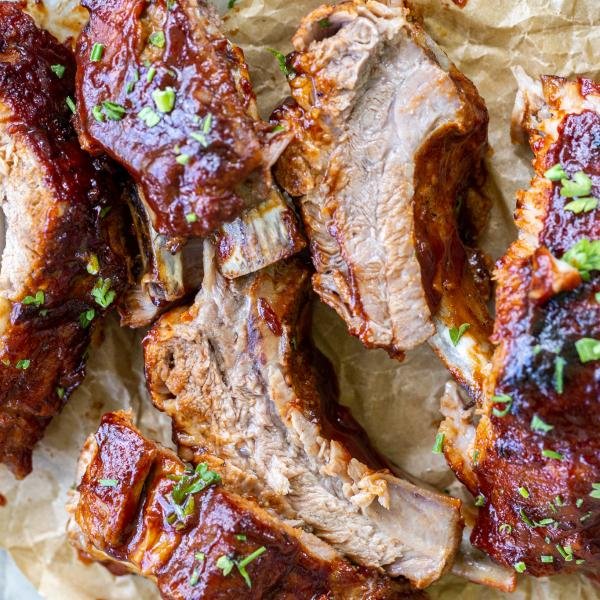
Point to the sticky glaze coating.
(125, 521)
(73, 193)
(539, 509)
(152, 47)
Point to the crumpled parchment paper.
(397, 403)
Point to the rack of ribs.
(239, 377)
(140, 509)
(63, 260)
(388, 137)
(534, 459)
(162, 92)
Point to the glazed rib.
(537, 444)
(123, 515)
(63, 261)
(237, 374)
(388, 137)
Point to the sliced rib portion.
(537, 447)
(63, 260)
(238, 375)
(388, 136)
(138, 508)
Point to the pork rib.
(63, 259)
(537, 448)
(388, 135)
(237, 374)
(136, 511)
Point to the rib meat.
(237, 374)
(388, 137)
(63, 260)
(123, 515)
(537, 448)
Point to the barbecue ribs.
(388, 135)
(138, 508)
(237, 374)
(535, 457)
(62, 263)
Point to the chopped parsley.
(97, 52)
(108, 482)
(555, 173)
(552, 454)
(438, 445)
(225, 564)
(150, 75)
(98, 114)
(164, 99)
(582, 205)
(58, 70)
(149, 116)
(157, 39)
(457, 332)
(588, 349)
(23, 364)
(71, 104)
(283, 66)
(595, 493)
(524, 492)
(102, 293)
(538, 424)
(113, 111)
(480, 500)
(36, 300)
(559, 368)
(201, 136)
(579, 185)
(584, 256)
(520, 567)
(86, 317)
(502, 399)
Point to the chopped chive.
(582, 205)
(579, 561)
(476, 456)
(597, 297)
(520, 567)
(536, 349)
(525, 518)
(502, 399)
(150, 75)
(524, 492)
(149, 116)
(559, 369)
(23, 364)
(579, 502)
(131, 83)
(595, 493)
(538, 425)
(283, 67)
(546, 558)
(71, 104)
(164, 99)
(505, 528)
(242, 564)
(555, 173)
(588, 349)
(565, 552)
(183, 159)
(559, 501)
(439, 443)
(480, 500)
(207, 123)
(157, 39)
(102, 293)
(60, 392)
(552, 454)
(241, 537)
(579, 185)
(456, 333)
(97, 52)
(93, 264)
(36, 300)
(195, 577)
(584, 256)
(200, 556)
(191, 217)
(199, 137)
(278, 128)
(86, 317)
(586, 516)
(58, 70)
(98, 114)
(108, 482)
(113, 111)
(545, 522)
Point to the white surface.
(13, 586)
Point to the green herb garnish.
(86, 317)
(588, 349)
(98, 114)
(480, 500)
(58, 70)
(582, 205)
(324, 23)
(71, 104)
(520, 567)
(150, 75)
(538, 425)
(97, 52)
(102, 293)
(149, 116)
(579, 185)
(502, 399)
(555, 173)
(457, 332)
(505, 528)
(93, 264)
(242, 564)
(524, 492)
(559, 369)
(157, 39)
(36, 300)
(225, 564)
(584, 256)
(595, 493)
(545, 558)
(283, 67)
(164, 99)
(438, 444)
(23, 364)
(60, 392)
(108, 482)
(191, 217)
(552, 454)
(182, 159)
(113, 111)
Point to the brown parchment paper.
(397, 403)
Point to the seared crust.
(121, 517)
(55, 199)
(538, 479)
(213, 121)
